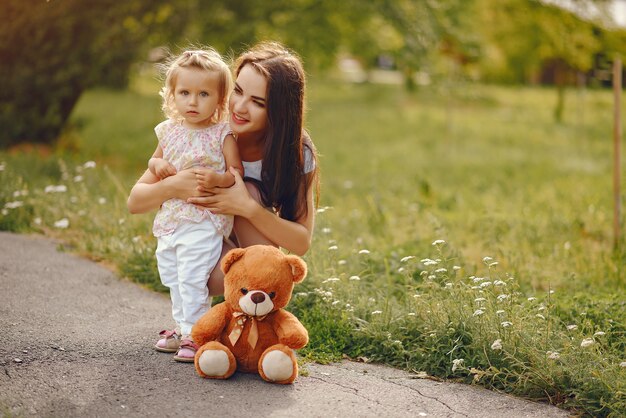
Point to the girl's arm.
(149, 193)
(207, 178)
(295, 236)
(160, 167)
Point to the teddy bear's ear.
(298, 268)
(230, 257)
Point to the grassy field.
(462, 232)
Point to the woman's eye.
(244, 290)
(272, 295)
(259, 104)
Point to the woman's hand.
(233, 200)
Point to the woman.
(274, 206)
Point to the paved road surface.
(75, 341)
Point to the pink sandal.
(187, 351)
(169, 341)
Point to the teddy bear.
(250, 331)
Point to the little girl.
(197, 85)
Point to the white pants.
(185, 259)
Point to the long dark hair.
(283, 178)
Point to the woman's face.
(247, 105)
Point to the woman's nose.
(238, 106)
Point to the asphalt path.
(76, 341)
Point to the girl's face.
(247, 105)
(196, 96)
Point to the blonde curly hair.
(202, 58)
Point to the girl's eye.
(204, 94)
(272, 295)
(244, 290)
(183, 92)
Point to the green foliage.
(53, 50)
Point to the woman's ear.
(230, 258)
(298, 268)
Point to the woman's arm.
(295, 236)
(149, 193)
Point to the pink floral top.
(185, 148)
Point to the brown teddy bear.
(250, 331)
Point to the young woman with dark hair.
(275, 203)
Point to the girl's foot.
(169, 341)
(187, 350)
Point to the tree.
(51, 51)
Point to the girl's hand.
(206, 178)
(233, 200)
(162, 168)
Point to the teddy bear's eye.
(272, 295)
(244, 290)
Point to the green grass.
(484, 168)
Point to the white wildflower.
(572, 327)
(78, 179)
(73, 199)
(377, 312)
(401, 270)
(530, 299)
(102, 200)
(506, 324)
(478, 300)
(500, 312)
(553, 355)
(541, 308)
(13, 205)
(354, 278)
(495, 263)
(62, 223)
(429, 262)
(551, 292)
(326, 230)
(587, 342)
(540, 316)
(331, 279)
(567, 245)
(502, 297)
(485, 284)
(478, 279)
(37, 221)
(407, 258)
(4, 211)
(497, 345)
(61, 188)
(448, 285)
(441, 270)
(438, 242)
(478, 312)
(342, 262)
(364, 252)
(456, 268)
(333, 248)
(622, 364)
(82, 212)
(411, 314)
(301, 294)
(121, 221)
(136, 238)
(423, 273)
(371, 300)
(2, 166)
(432, 277)
(487, 260)
(89, 164)
(599, 334)
(335, 302)
(457, 363)
(499, 283)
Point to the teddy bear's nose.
(257, 297)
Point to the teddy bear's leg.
(278, 364)
(215, 361)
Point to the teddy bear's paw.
(278, 365)
(215, 361)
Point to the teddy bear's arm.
(290, 330)
(211, 324)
